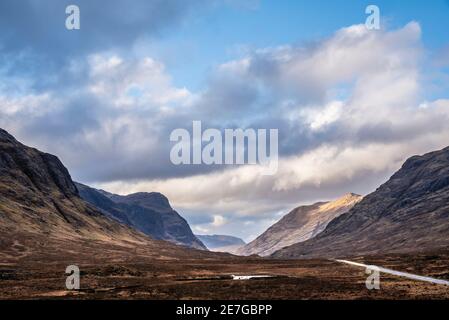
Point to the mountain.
(149, 213)
(299, 225)
(409, 213)
(221, 243)
(42, 214)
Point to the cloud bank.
(349, 109)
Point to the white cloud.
(353, 54)
(318, 118)
(142, 82)
(31, 104)
(218, 221)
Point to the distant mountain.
(409, 213)
(221, 243)
(41, 212)
(149, 213)
(299, 225)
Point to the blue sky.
(350, 104)
(220, 34)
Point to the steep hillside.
(149, 213)
(41, 212)
(299, 225)
(409, 213)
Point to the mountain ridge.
(300, 224)
(148, 212)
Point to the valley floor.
(210, 278)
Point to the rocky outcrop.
(301, 224)
(409, 213)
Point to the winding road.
(397, 273)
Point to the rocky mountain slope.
(149, 213)
(409, 213)
(41, 213)
(221, 243)
(299, 225)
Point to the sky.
(351, 104)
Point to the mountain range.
(42, 208)
(149, 213)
